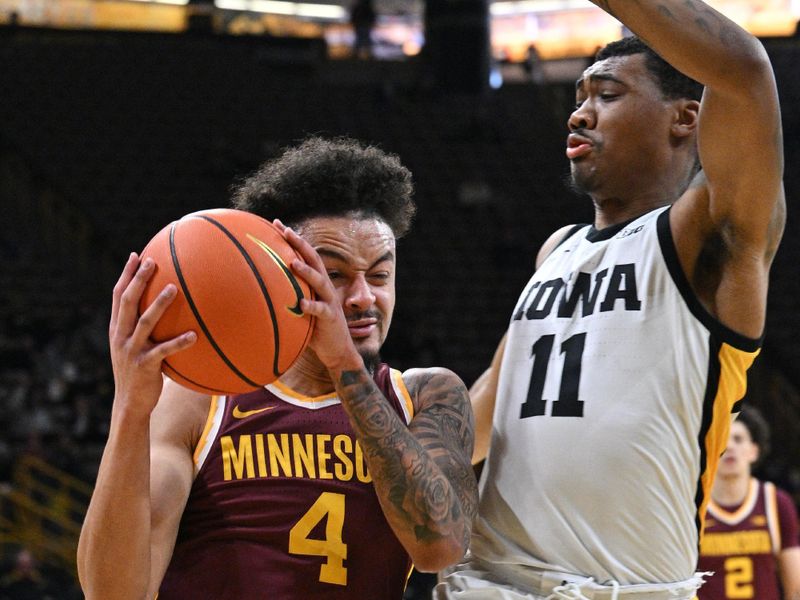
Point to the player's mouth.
(361, 328)
(578, 146)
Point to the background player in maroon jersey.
(751, 531)
(321, 485)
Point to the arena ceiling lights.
(335, 12)
(175, 2)
(280, 7)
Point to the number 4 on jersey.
(567, 404)
(332, 548)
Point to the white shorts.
(474, 580)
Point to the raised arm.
(145, 473)
(736, 209)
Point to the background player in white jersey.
(609, 399)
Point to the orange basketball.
(237, 292)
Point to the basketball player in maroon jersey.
(751, 530)
(324, 484)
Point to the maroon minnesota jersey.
(282, 505)
(741, 543)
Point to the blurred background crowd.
(108, 133)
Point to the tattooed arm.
(735, 213)
(422, 472)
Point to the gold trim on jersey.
(282, 390)
(771, 509)
(216, 412)
(731, 387)
(744, 510)
(212, 410)
(402, 393)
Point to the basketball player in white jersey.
(609, 400)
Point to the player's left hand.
(331, 340)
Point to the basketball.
(236, 291)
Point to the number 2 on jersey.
(568, 404)
(331, 505)
(739, 577)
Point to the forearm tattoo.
(424, 475)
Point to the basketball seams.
(190, 301)
(262, 286)
(224, 282)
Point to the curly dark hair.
(758, 428)
(330, 177)
(673, 83)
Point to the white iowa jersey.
(614, 404)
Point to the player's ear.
(685, 117)
(756, 452)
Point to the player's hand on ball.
(135, 359)
(331, 340)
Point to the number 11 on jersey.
(567, 404)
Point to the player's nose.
(359, 294)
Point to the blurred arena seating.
(105, 137)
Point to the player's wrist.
(129, 413)
(347, 360)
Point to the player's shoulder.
(430, 373)
(180, 415)
(556, 238)
(432, 382)
(784, 501)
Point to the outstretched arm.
(736, 209)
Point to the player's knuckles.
(148, 320)
(131, 295)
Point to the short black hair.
(672, 83)
(330, 177)
(758, 428)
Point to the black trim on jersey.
(600, 235)
(569, 234)
(717, 329)
(712, 386)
